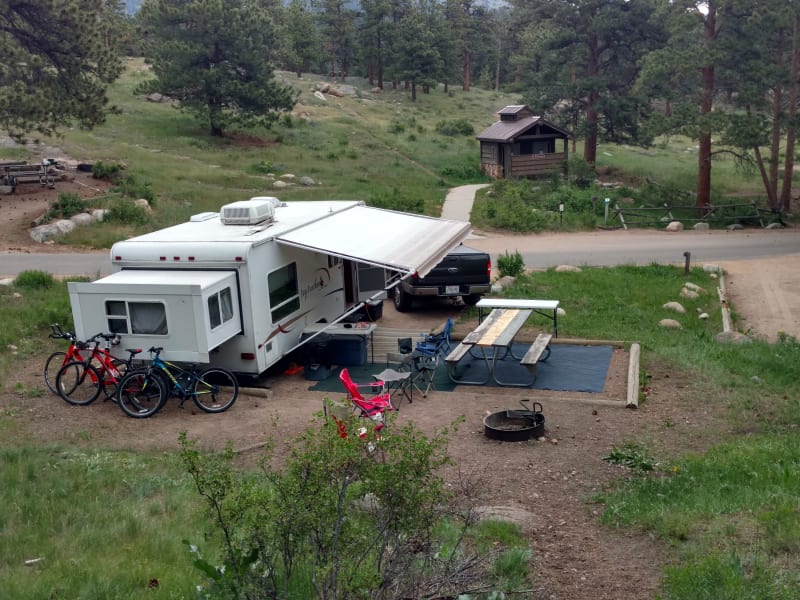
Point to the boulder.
(734, 227)
(674, 226)
(701, 227)
(44, 233)
(687, 293)
(143, 204)
(567, 269)
(674, 306)
(81, 219)
(64, 226)
(99, 214)
(669, 324)
(307, 181)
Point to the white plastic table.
(547, 308)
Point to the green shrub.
(68, 204)
(106, 171)
(127, 213)
(34, 280)
(511, 265)
(397, 201)
(396, 126)
(468, 171)
(262, 167)
(455, 127)
(580, 172)
(131, 187)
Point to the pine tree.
(57, 59)
(215, 57)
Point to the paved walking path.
(458, 203)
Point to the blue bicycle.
(143, 392)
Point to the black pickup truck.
(464, 272)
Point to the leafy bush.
(468, 171)
(34, 280)
(397, 201)
(336, 517)
(106, 171)
(131, 187)
(262, 167)
(514, 214)
(510, 265)
(396, 126)
(68, 204)
(580, 172)
(455, 127)
(127, 213)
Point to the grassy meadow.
(729, 518)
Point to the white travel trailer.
(237, 288)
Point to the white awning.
(384, 238)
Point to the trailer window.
(142, 318)
(220, 308)
(284, 297)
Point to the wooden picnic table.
(492, 340)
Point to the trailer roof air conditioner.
(249, 212)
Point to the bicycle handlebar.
(59, 334)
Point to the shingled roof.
(514, 121)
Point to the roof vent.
(248, 212)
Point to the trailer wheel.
(402, 300)
(471, 299)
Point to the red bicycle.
(59, 358)
(86, 369)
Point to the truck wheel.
(471, 300)
(402, 300)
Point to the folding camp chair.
(437, 342)
(428, 353)
(374, 407)
(399, 373)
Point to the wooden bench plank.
(458, 353)
(536, 350)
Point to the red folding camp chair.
(373, 408)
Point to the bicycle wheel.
(215, 390)
(141, 394)
(111, 379)
(54, 362)
(78, 383)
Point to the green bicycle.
(143, 392)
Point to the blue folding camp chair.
(428, 353)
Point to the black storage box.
(335, 349)
(316, 372)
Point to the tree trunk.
(706, 104)
(371, 73)
(788, 167)
(497, 64)
(777, 110)
(467, 66)
(413, 91)
(592, 70)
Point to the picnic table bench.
(16, 173)
(539, 351)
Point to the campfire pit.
(515, 425)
